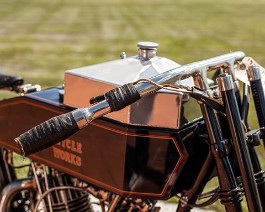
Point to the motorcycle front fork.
(247, 166)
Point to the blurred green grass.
(39, 40)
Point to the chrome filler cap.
(147, 50)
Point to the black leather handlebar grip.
(47, 134)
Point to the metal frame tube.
(12, 189)
(230, 193)
(199, 184)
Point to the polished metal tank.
(160, 109)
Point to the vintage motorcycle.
(153, 129)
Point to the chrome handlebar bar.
(63, 126)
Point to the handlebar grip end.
(47, 134)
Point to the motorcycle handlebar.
(61, 127)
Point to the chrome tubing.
(174, 76)
(84, 116)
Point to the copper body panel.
(124, 159)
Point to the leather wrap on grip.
(122, 96)
(47, 134)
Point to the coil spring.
(259, 108)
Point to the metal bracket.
(253, 137)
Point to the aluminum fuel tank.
(161, 109)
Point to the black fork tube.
(258, 94)
(259, 102)
(230, 194)
(240, 144)
(259, 173)
(245, 105)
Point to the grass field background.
(39, 40)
